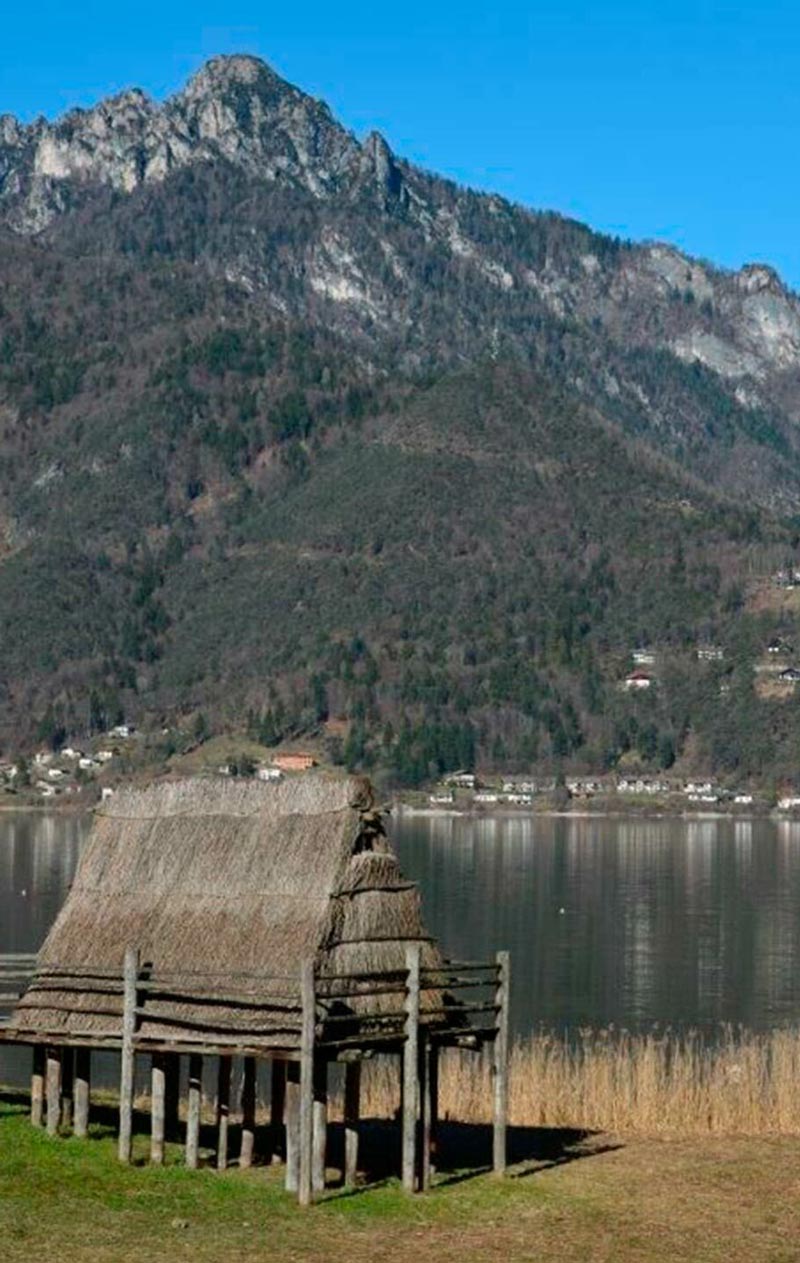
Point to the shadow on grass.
(463, 1150)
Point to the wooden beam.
(247, 1145)
(127, 1056)
(292, 1119)
(352, 1111)
(158, 1108)
(37, 1085)
(223, 1111)
(53, 1090)
(411, 1069)
(277, 1140)
(83, 1087)
(320, 1124)
(500, 1066)
(193, 1110)
(305, 1188)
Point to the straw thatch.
(214, 881)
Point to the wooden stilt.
(67, 1088)
(277, 1141)
(37, 1085)
(304, 1192)
(500, 1066)
(247, 1145)
(223, 1111)
(320, 1124)
(172, 1095)
(193, 1110)
(53, 1090)
(292, 1119)
(83, 1087)
(130, 978)
(352, 1110)
(430, 1114)
(158, 1112)
(411, 1069)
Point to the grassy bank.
(592, 1199)
(741, 1085)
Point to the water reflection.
(630, 922)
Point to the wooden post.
(172, 1095)
(247, 1145)
(223, 1111)
(308, 1000)
(292, 1117)
(277, 1142)
(430, 1137)
(130, 977)
(411, 1069)
(306, 1083)
(158, 1108)
(500, 1066)
(37, 1085)
(193, 1110)
(83, 1074)
(67, 1087)
(320, 1124)
(352, 1110)
(53, 1090)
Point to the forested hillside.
(302, 440)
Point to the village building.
(294, 762)
(710, 653)
(643, 657)
(519, 787)
(461, 780)
(269, 774)
(779, 646)
(228, 919)
(638, 680)
(790, 675)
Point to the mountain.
(291, 427)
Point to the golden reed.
(658, 1084)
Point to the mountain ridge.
(456, 457)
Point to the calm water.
(631, 922)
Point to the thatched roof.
(213, 880)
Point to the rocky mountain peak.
(234, 108)
(220, 72)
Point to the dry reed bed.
(666, 1084)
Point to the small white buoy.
(24, 893)
(561, 911)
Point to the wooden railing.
(16, 971)
(316, 1019)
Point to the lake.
(630, 922)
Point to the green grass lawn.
(70, 1200)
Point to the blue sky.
(677, 121)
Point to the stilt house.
(234, 918)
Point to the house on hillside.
(778, 647)
(461, 780)
(638, 680)
(710, 653)
(643, 657)
(294, 762)
(269, 774)
(789, 675)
